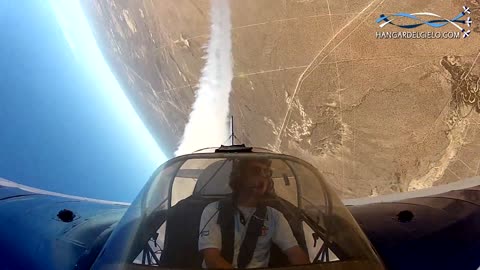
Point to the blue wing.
(34, 236)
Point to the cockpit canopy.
(162, 226)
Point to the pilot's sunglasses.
(261, 171)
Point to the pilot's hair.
(238, 173)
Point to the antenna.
(233, 148)
(233, 131)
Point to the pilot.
(238, 232)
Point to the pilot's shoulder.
(211, 207)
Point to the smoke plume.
(208, 122)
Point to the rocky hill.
(313, 79)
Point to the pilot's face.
(257, 178)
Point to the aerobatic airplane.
(437, 228)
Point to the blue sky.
(66, 125)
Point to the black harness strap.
(254, 230)
(226, 220)
(227, 227)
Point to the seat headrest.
(214, 179)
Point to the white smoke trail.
(208, 125)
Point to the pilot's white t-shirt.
(276, 229)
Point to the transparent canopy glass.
(162, 226)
